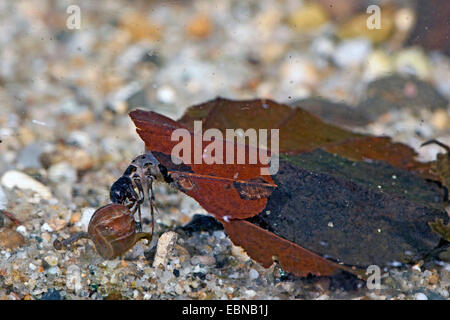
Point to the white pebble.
(54, 270)
(378, 64)
(52, 260)
(62, 171)
(413, 61)
(166, 94)
(22, 181)
(352, 52)
(239, 253)
(205, 260)
(46, 227)
(298, 71)
(322, 46)
(22, 230)
(73, 278)
(420, 296)
(147, 296)
(165, 246)
(250, 293)
(219, 235)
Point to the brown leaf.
(300, 131)
(376, 148)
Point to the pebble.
(441, 119)
(46, 237)
(322, 46)
(52, 260)
(239, 253)
(51, 294)
(219, 235)
(166, 243)
(420, 296)
(118, 100)
(22, 230)
(23, 181)
(3, 199)
(250, 293)
(139, 26)
(413, 61)
(340, 9)
(86, 216)
(404, 19)
(73, 278)
(76, 217)
(76, 157)
(308, 17)
(54, 270)
(253, 274)
(378, 64)
(205, 260)
(29, 156)
(57, 224)
(433, 279)
(46, 227)
(357, 27)
(352, 52)
(166, 94)
(10, 239)
(79, 139)
(297, 71)
(200, 27)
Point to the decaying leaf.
(265, 247)
(376, 148)
(357, 213)
(227, 190)
(300, 131)
(340, 200)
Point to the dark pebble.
(199, 275)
